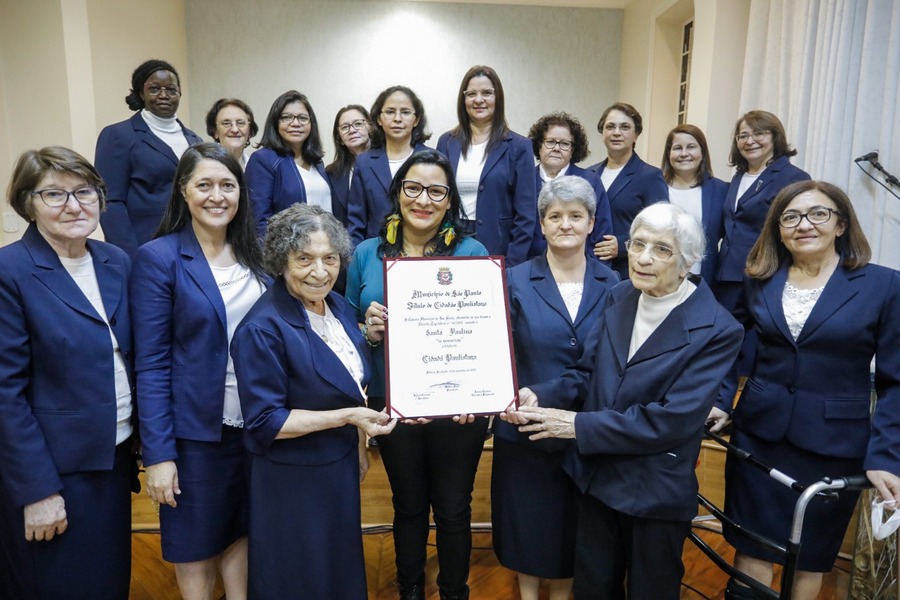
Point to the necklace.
(317, 322)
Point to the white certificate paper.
(448, 344)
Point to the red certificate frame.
(448, 340)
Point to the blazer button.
(573, 342)
(112, 321)
(480, 188)
(792, 389)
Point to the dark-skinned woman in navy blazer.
(821, 312)
(688, 173)
(554, 301)
(761, 154)
(288, 166)
(66, 451)
(494, 168)
(630, 183)
(635, 405)
(401, 128)
(137, 158)
(190, 287)
(302, 368)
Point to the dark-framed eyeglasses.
(54, 198)
(156, 90)
(564, 145)
(288, 118)
(358, 125)
(657, 251)
(817, 215)
(413, 189)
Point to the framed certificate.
(448, 343)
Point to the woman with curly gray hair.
(302, 368)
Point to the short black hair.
(140, 77)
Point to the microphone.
(870, 157)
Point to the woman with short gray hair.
(645, 385)
(555, 300)
(302, 367)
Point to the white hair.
(663, 217)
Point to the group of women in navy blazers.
(190, 285)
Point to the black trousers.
(432, 467)
(618, 556)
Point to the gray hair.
(663, 217)
(289, 232)
(568, 188)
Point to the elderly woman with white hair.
(649, 375)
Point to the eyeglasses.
(414, 189)
(817, 215)
(623, 127)
(240, 124)
(287, 119)
(657, 251)
(55, 198)
(486, 94)
(155, 90)
(564, 145)
(757, 135)
(357, 125)
(404, 113)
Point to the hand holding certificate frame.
(448, 344)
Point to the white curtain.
(830, 69)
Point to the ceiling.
(561, 3)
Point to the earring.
(448, 232)
(393, 221)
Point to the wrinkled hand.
(718, 420)
(887, 484)
(545, 423)
(527, 398)
(373, 423)
(376, 315)
(45, 518)
(363, 461)
(607, 249)
(162, 483)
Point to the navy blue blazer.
(138, 169)
(274, 183)
(815, 392)
(638, 432)
(282, 364)
(340, 196)
(181, 353)
(369, 201)
(638, 186)
(505, 208)
(545, 338)
(602, 218)
(712, 201)
(58, 393)
(742, 226)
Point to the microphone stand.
(891, 179)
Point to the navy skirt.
(533, 510)
(91, 560)
(305, 533)
(212, 508)
(761, 504)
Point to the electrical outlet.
(10, 222)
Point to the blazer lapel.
(765, 178)
(494, 156)
(151, 140)
(110, 277)
(624, 178)
(838, 291)
(619, 324)
(545, 287)
(198, 269)
(773, 293)
(382, 169)
(594, 288)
